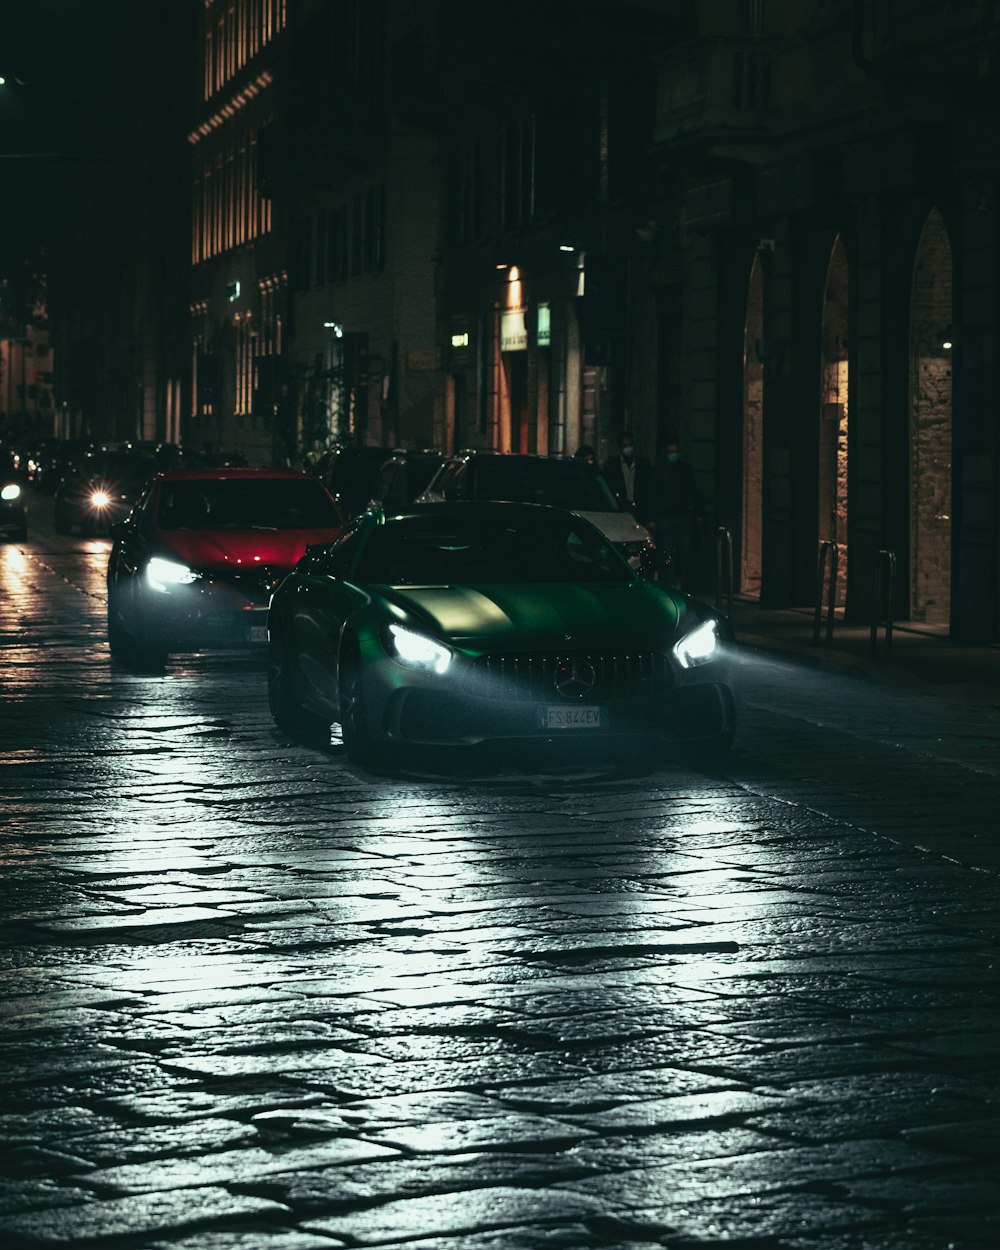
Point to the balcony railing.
(714, 89)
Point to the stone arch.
(832, 469)
(752, 524)
(930, 426)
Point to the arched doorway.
(753, 436)
(931, 426)
(833, 411)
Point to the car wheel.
(359, 746)
(283, 698)
(126, 647)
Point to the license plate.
(258, 633)
(571, 718)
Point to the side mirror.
(314, 550)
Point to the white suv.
(570, 484)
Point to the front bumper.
(205, 614)
(695, 715)
(13, 517)
(681, 706)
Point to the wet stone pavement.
(257, 999)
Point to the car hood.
(619, 527)
(230, 549)
(622, 615)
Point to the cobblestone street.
(258, 999)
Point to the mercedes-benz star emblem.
(574, 678)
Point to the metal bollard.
(724, 566)
(883, 597)
(828, 548)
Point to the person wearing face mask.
(630, 476)
(678, 512)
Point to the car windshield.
(484, 551)
(246, 504)
(561, 483)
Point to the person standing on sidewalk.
(678, 511)
(630, 476)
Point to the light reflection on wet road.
(256, 997)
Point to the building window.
(752, 18)
(518, 174)
(233, 33)
(375, 229)
(302, 254)
(246, 344)
(322, 239)
(336, 251)
(465, 192)
(228, 209)
(357, 234)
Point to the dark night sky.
(62, 60)
(61, 113)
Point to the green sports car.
(455, 624)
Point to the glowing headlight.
(417, 650)
(162, 574)
(10, 492)
(100, 499)
(699, 646)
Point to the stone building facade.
(238, 288)
(831, 246)
(765, 227)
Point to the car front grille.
(532, 675)
(257, 586)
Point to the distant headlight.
(699, 646)
(100, 499)
(417, 650)
(162, 574)
(10, 492)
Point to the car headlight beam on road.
(417, 650)
(699, 646)
(162, 574)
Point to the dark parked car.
(195, 562)
(99, 490)
(404, 476)
(349, 475)
(564, 483)
(459, 624)
(13, 508)
(48, 463)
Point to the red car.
(194, 563)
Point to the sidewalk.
(920, 656)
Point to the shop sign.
(513, 331)
(543, 327)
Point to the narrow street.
(258, 999)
